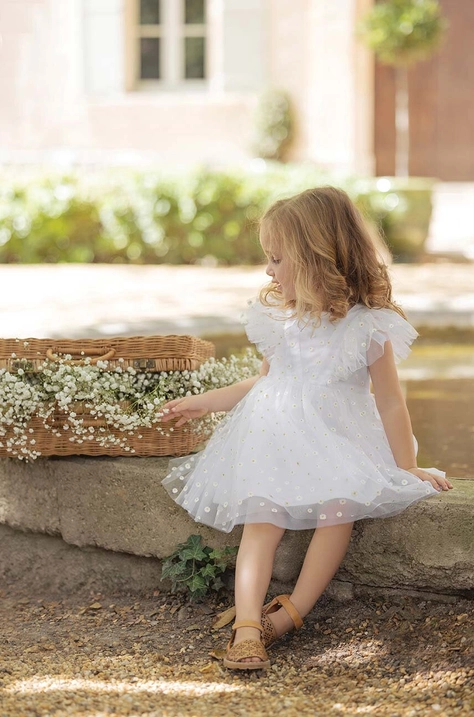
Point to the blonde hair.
(332, 255)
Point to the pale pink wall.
(54, 107)
(46, 109)
(177, 131)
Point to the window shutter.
(245, 33)
(104, 46)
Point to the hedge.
(203, 216)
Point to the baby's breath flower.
(124, 399)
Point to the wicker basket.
(178, 442)
(144, 353)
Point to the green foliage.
(401, 208)
(195, 568)
(402, 32)
(143, 217)
(151, 218)
(45, 220)
(273, 124)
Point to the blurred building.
(175, 82)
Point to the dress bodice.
(326, 352)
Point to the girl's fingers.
(437, 482)
(171, 404)
(446, 485)
(434, 483)
(170, 410)
(172, 416)
(181, 422)
(180, 409)
(443, 483)
(173, 408)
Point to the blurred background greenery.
(201, 216)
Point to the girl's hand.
(187, 408)
(436, 481)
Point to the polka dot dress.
(306, 446)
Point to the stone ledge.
(44, 564)
(119, 504)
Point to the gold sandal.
(281, 601)
(247, 648)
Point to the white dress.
(306, 446)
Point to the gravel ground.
(97, 655)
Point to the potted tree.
(401, 33)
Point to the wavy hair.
(334, 260)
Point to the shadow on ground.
(118, 655)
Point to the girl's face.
(278, 267)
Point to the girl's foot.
(279, 617)
(246, 652)
(281, 621)
(247, 633)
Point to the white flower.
(124, 399)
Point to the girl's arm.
(395, 418)
(220, 399)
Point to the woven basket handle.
(92, 351)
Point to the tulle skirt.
(296, 456)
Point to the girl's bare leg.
(253, 572)
(324, 555)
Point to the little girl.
(305, 444)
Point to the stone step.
(119, 505)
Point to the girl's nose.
(269, 271)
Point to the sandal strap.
(247, 623)
(287, 605)
(269, 635)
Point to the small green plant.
(196, 568)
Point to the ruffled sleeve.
(264, 326)
(362, 336)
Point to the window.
(194, 34)
(168, 43)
